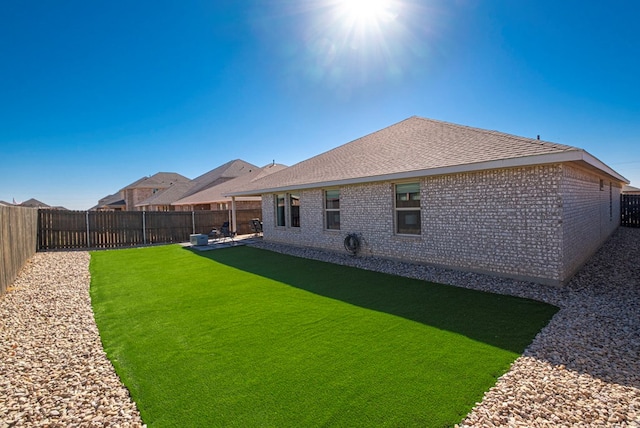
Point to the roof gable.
(34, 203)
(219, 192)
(216, 176)
(116, 198)
(224, 172)
(166, 196)
(158, 180)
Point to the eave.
(578, 155)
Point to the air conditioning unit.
(199, 239)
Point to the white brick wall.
(538, 223)
(590, 214)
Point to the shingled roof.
(34, 203)
(418, 147)
(111, 201)
(224, 172)
(168, 195)
(218, 193)
(159, 179)
(630, 190)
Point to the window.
(280, 210)
(294, 210)
(408, 208)
(332, 209)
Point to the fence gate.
(630, 210)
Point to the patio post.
(233, 214)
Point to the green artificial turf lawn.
(246, 337)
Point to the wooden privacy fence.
(59, 230)
(18, 230)
(630, 210)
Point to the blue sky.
(96, 94)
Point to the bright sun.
(366, 11)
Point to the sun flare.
(347, 45)
(366, 11)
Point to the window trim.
(330, 210)
(283, 204)
(397, 209)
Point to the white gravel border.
(583, 369)
(53, 370)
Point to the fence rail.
(630, 210)
(66, 230)
(18, 229)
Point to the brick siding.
(537, 223)
(590, 214)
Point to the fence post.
(88, 242)
(144, 229)
(193, 221)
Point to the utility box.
(199, 239)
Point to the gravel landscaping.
(583, 369)
(53, 370)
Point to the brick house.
(159, 191)
(448, 195)
(127, 198)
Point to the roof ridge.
(497, 133)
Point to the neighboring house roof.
(227, 171)
(219, 192)
(165, 197)
(630, 189)
(6, 204)
(111, 201)
(417, 147)
(160, 179)
(34, 203)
